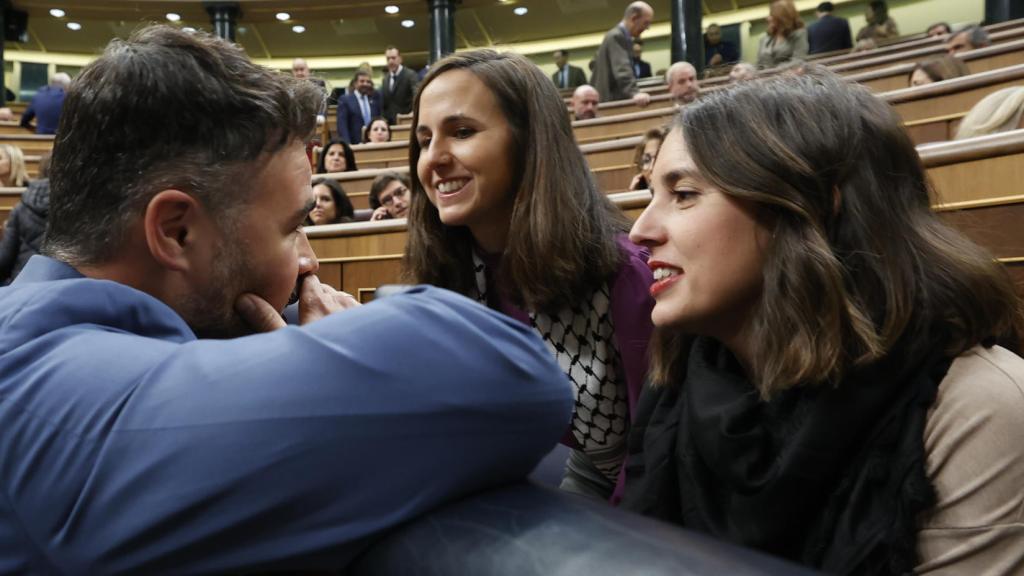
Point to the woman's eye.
(463, 132)
(684, 195)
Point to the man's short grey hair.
(675, 68)
(976, 35)
(61, 80)
(636, 8)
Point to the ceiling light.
(391, 9)
(408, 23)
(521, 10)
(56, 12)
(283, 16)
(298, 29)
(188, 29)
(173, 17)
(74, 26)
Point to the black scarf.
(829, 476)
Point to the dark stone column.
(1003, 10)
(224, 17)
(687, 40)
(442, 28)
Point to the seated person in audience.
(504, 209)
(377, 131)
(1000, 111)
(879, 25)
(332, 204)
(641, 67)
(682, 82)
(785, 38)
(937, 70)
(585, 101)
(389, 196)
(643, 159)
(46, 105)
(825, 385)
(939, 29)
(13, 173)
(22, 236)
(337, 156)
(717, 51)
(968, 38)
(742, 72)
(140, 436)
(864, 44)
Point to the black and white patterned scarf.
(582, 340)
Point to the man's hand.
(641, 99)
(316, 300)
(715, 60)
(381, 213)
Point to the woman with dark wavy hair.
(826, 380)
(504, 210)
(337, 156)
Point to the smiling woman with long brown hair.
(826, 383)
(504, 210)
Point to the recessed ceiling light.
(173, 17)
(57, 12)
(408, 23)
(74, 26)
(521, 10)
(283, 16)
(188, 29)
(298, 29)
(391, 9)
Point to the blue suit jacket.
(129, 446)
(350, 116)
(45, 108)
(829, 33)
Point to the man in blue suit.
(829, 33)
(158, 417)
(355, 111)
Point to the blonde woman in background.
(998, 112)
(13, 173)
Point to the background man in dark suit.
(613, 76)
(397, 86)
(829, 32)
(567, 76)
(716, 50)
(356, 110)
(641, 67)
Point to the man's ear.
(171, 224)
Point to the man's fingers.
(258, 313)
(317, 300)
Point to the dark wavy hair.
(350, 156)
(164, 109)
(562, 236)
(858, 266)
(343, 209)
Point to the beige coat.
(974, 444)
